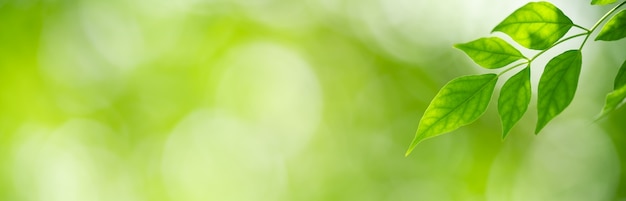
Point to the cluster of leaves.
(536, 26)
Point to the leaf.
(557, 86)
(602, 2)
(536, 25)
(491, 52)
(614, 100)
(458, 103)
(614, 29)
(620, 79)
(616, 97)
(514, 99)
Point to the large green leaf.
(536, 25)
(491, 52)
(614, 29)
(557, 86)
(614, 100)
(602, 2)
(458, 103)
(514, 99)
(620, 79)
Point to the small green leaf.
(491, 52)
(536, 25)
(602, 2)
(458, 103)
(557, 86)
(616, 97)
(614, 100)
(620, 79)
(614, 29)
(514, 99)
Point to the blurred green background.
(281, 100)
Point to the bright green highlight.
(602, 2)
(514, 98)
(614, 29)
(491, 52)
(536, 25)
(557, 86)
(458, 103)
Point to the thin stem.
(511, 68)
(581, 27)
(595, 26)
(557, 43)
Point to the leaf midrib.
(498, 53)
(459, 105)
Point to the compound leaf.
(557, 86)
(614, 29)
(602, 2)
(536, 25)
(490, 52)
(458, 103)
(514, 99)
(620, 79)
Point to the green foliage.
(538, 26)
(614, 29)
(514, 99)
(491, 52)
(557, 86)
(620, 79)
(615, 98)
(602, 2)
(458, 103)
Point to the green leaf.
(536, 25)
(614, 29)
(614, 100)
(557, 86)
(616, 97)
(458, 103)
(491, 52)
(514, 99)
(602, 2)
(620, 79)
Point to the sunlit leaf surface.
(514, 99)
(536, 25)
(458, 103)
(491, 52)
(557, 86)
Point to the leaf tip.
(504, 134)
(412, 146)
(408, 152)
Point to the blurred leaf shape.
(620, 79)
(602, 2)
(557, 86)
(536, 25)
(615, 99)
(514, 99)
(458, 103)
(614, 29)
(490, 53)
